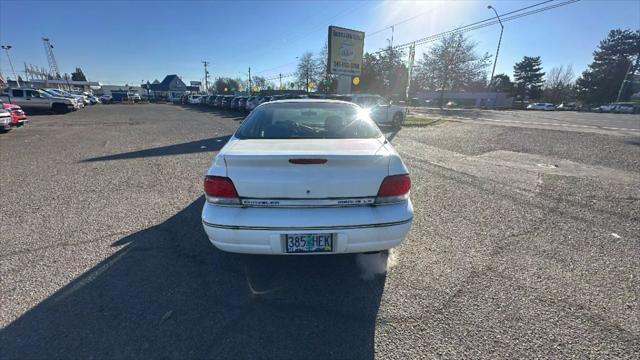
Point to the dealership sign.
(345, 51)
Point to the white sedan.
(541, 106)
(304, 177)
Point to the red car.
(18, 116)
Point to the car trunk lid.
(307, 172)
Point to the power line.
(370, 34)
(481, 24)
(276, 67)
(414, 17)
(349, 10)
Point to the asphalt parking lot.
(525, 243)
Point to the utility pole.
(628, 77)
(280, 76)
(412, 56)
(250, 88)
(7, 48)
(495, 60)
(307, 79)
(392, 31)
(206, 76)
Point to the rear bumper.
(260, 230)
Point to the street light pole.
(495, 60)
(6, 48)
(206, 76)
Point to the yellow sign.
(312, 85)
(346, 49)
(356, 81)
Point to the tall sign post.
(346, 49)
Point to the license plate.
(308, 243)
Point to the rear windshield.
(293, 120)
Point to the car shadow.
(168, 293)
(204, 145)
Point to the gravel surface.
(525, 243)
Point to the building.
(107, 89)
(172, 88)
(469, 99)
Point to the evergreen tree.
(78, 75)
(528, 78)
(501, 83)
(612, 60)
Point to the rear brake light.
(393, 189)
(307, 161)
(220, 190)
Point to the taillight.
(393, 189)
(220, 190)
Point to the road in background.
(525, 243)
(623, 124)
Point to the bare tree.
(326, 82)
(559, 84)
(306, 71)
(259, 82)
(451, 64)
(559, 76)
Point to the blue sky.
(117, 42)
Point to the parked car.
(18, 117)
(233, 105)
(265, 99)
(81, 97)
(381, 110)
(93, 100)
(33, 99)
(252, 102)
(626, 108)
(226, 101)
(194, 99)
(106, 99)
(604, 108)
(218, 101)
(5, 120)
(210, 100)
(242, 103)
(327, 182)
(61, 93)
(541, 106)
(567, 107)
